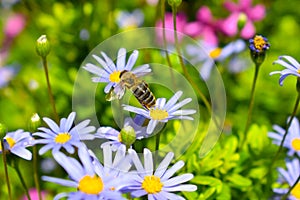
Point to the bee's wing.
(115, 93)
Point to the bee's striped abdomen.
(143, 94)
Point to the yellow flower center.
(91, 184)
(120, 137)
(11, 142)
(115, 77)
(298, 71)
(152, 184)
(259, 42)
(158, 114)
(296, 144)
(62, 138)
(215, 53)
(296, 191)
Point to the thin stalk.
(45, 65)
(286, 131)
(251, 104)
(157, 141)
(22, 180)
(291, 188)
(35, 171)
(162, 3)
(186, 74)
(5, 170)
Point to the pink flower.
(14, 25)
(205, 26)
(256, 13)
(181, 22)
(33, 193)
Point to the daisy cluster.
(288, 137)
(122, 173)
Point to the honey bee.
(139, 88)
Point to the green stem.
(157, 141)
(35, 171)
(49, 89)
(22, 179)
(5, 170)
(251, 104)
(291, 188)
(186, 74)
(162, 2)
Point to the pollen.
(115, 77)
(296, 191)
(62, 138)
(259, 43)
(120, 137)
(158, 114)
(91, 184)
(296, 144)
(11, 142)
(152, 184)
(215, 53)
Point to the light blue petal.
(96, 70)
(69, 122)
(86, 161)
(45, 135)
(136, 161)
(103, 63)
(22, 152)
(108, 87)
(142, 70)
(148, 162)
(60, 181)
(109, 62)
(172, 101)
(164, 165)
(170, 172)
(151, 126)
(51, 124)
(185, 187)
(169, 195)
(138, 193)
(121, 59)
(45, 148)
(286, 65)
(291, 60)
(180, 104)
(131, 60)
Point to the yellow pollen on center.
(115, 77)
(91, 184)
(151, 184)
(215, 53)
(120, 137)
(296, 191)
(259, 42)
(62, 138)
(296, 144)
(158, 114)
(11, 142)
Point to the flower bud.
(34, 123)
(128, 136)
(42, 46)
(174, 2)
(258, 47)
(242, 19)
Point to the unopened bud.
(34, 122)
(258, 47)
(128, 136)
(174, 2)
(42, 46)
(242, 19)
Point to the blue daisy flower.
(163, 111)
(214, 54)
(88, 176)
(16, 143)
(158, 184)
(110, 73)
(292, 140)
(291, 65)
(64, 136)
(289, 177)
(114, 136)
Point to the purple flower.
(230, 25)
(291, 65)
(289, 177)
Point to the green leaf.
(225, 193)
(208, 180)
(239, 181)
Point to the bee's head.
(122, 73)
